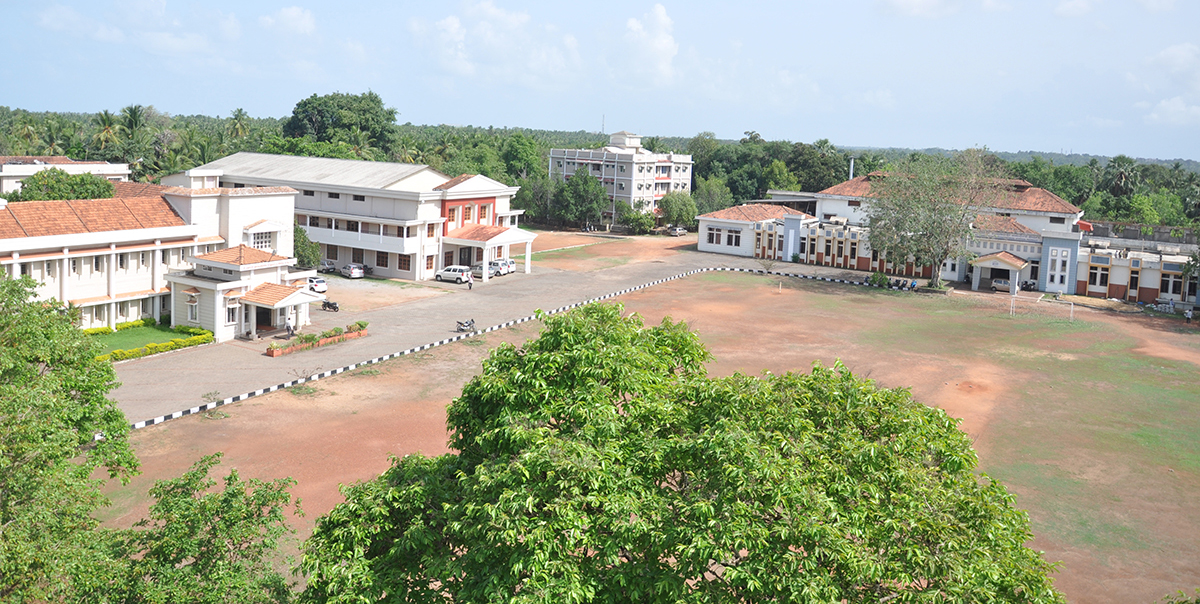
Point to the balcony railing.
(376, 241)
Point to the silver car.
(502, 267)
(353, 270)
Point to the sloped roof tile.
(454, 182)
(477, 232)
(1001, 224)
(45, 218)
(269, 294)
(1017, 195)
(751, 212)
(241, 256)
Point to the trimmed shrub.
(164, 319)
(357, 326)
(155, 348)
(879, 279)
(796, 258)
(191, 331)
(307, 338)
(97, 331)
(149, 322)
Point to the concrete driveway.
(163, 384)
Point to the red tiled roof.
(477, 232)
(1003, 257)
(1017, 194)
(269, 294)
(1001, 224)
(454, 182)
(137, 189)
(42, 218)
(241, 256)
(751, 212)
(45, 159)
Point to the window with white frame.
(231, 315)
(97, 263)
(193, 309)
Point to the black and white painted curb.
(332, 372)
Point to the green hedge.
(198, 337)
(97, 331)
(149, 322)
(357, 326)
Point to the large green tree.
(581, 200)
(678, 208)
(54, 183)
(52, 404)
(598, 463)
(323, 118)
(307, 251)
(711, 195)
(922, 209)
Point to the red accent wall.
(475, 204)
(1117, 291)
(864, 263)
(1147, 294)
(820, 258)
(1081, 288)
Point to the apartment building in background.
(16, 168)
(629, 172)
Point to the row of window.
(733, 237)
(1010, 247)
(140, 259)
(369, 228)
(308, 193)
(682, 169)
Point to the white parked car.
(502, 267)
(353, 270)
(1001, 285)
(456, 273)
(677, 231)
(318, 285)
(477, 270)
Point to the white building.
(1037, 227)
(404, 220)
(128, 257)
(629, 172)
(16, 168)
(752, 230)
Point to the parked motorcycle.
(468, 325)
(329, 305)
(1028, 285)
(369, 270)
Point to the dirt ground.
(367, 294)
(599, 253)
(1091, 424)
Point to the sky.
(1085, 76)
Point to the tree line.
(726, 172)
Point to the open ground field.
(1092, 424)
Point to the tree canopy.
(599, 463)
(678, 208)
(53, 183)
(582, 199)
(325, 118)
(922, 209)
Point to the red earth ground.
(344, 429)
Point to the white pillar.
(485, 264)
(975, 278)
(64, 273)
(1013, 275)
(528, 256)
(253, 310)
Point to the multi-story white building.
(629, 172)
(16, 168)
(133, 256)
(402, 220)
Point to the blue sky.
(1084, 76)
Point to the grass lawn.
(137, 337)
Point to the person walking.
(291, 326)
(470, 280)
(1187, 316)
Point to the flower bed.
(312, 340)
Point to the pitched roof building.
(16, 168)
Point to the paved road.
(163, 384)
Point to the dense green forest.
(726, 172)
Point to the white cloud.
(1075, 8)
(923, 8)
(1179, 58)
(1175, 111)
(1157, 6)
(65, 19)
(494, 44)
(651, 45)
(292, 18)
(230, 27)
(170, 44)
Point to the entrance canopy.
(270, 295)
(490, 237)
(1000, 260)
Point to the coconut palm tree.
(239, 123)
(1121, 176)
(133, 121)
(106, 128)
